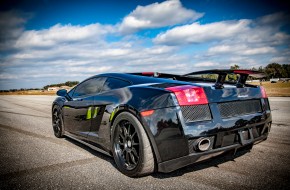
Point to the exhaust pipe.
(203, 144)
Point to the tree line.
(21, 89)
(275, 70)
(68, 83)
(272, 70)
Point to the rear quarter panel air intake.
(196, 113)
(239, 108)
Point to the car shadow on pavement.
(212, 162)
(93, 152)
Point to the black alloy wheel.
(57, 123)
(127, 144)
(131, 147)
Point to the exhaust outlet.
(203, 144)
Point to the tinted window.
(90, 86)
(113, 83)
(70, 93)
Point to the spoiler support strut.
(222, 74)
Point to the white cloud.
(240, 50)
(281, 59)
(66, 52)
(62, 34)
(198, 33)
(167, 13)
(248, 43)
(8, 76)
(89, 69)
(266, 29)
(206, 64)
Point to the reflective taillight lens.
(263, 92)
(147, 113)
(189, 95)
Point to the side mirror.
(62, 92)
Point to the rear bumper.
(174, 164)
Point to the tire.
(57, 122)
(131, 147)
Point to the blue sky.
(49, 41)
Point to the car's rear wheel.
(131, 147)
(57, 122)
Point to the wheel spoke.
(133, 134)
(135, 153)
(55, 126)
(127, 157)
(122, 136)
(121, 133)
(120, 128)
(129, 127)
(125, 131)
(133, 158)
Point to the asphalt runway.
(32, 158)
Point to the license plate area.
(246, 136)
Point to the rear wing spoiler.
(222, 74)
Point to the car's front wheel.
(131, 147)
(57, 122)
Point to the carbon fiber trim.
(191, 144)
(196, 113)
(238, 108)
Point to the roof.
(137, 79)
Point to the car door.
(104, 103)
(78, 110)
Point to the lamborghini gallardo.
(154, 121)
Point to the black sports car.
(161, 122)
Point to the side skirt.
(87, 144)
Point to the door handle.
(79, 99)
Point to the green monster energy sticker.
(89, 113)
(113, 113)
(96, 112)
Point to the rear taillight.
(263, 92)
(189, 95)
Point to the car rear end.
(207, 121)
